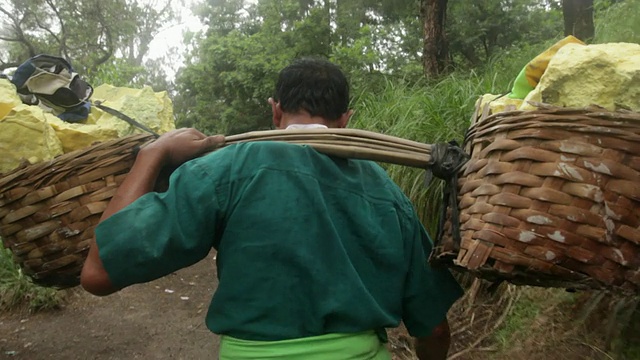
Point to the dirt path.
(163, 319)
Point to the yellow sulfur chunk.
(8, 97)
(499, 103)
(152, 109)
(607, 75)
(25, 134)
(80, 136)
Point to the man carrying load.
(316, 255)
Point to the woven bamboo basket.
(551, 198)
(48, 211)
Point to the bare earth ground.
(163, 319)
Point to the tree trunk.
(578, 18)
(435, 52)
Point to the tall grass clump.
(429, 112)
(618, 22)
(18, 291)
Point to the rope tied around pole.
(446, 161)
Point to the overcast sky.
(172, 34)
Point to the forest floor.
(164, 319)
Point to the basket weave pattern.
(48, 211)
(551, 198)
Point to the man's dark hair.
(314, 85)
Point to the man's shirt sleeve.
(429, 291)
(161, 232)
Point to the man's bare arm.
(171, 149)
(436, 345)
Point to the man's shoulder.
(282, 153)
(277, 155)
(248, 158)
(264, 148)
(252, 150)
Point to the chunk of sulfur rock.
(152, 109)
(26, 135)
(607, 75)
(8, 97)
(497, 103)
(79, 136)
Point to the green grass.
(433, 112)
(522, 316)
(428, 112)
(533, 314)
(618, 23)
(628, 342)
(631, 351)
(17, 291)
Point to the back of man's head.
(313, 85)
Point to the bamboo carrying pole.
(348, 143)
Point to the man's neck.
(303, 119)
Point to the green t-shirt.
(307, 244)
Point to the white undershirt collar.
(307, 126)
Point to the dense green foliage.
(231, 70)
(619, 22)
(479, 30)
(232, 66)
